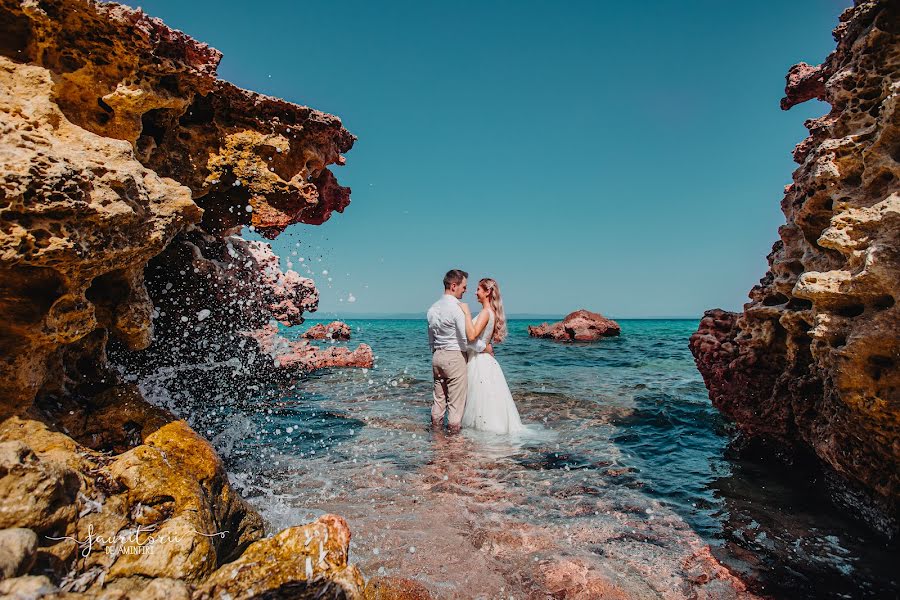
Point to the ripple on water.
(620, 485)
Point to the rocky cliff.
(812, 362)
(127, 171)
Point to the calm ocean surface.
(624, 433)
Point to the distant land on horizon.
(333, 315)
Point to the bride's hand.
(489, 349)
(465, 308)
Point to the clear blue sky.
(626, 157)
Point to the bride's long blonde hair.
(493, 290)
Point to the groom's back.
(443, 329)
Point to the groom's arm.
(459, 321)
(430, 339)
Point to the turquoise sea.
(628, 472)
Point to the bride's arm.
(473, 330)
(467, 321)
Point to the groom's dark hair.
(454, 276)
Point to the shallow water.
(617, 489)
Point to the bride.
(489, 404)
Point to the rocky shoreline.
(811, 364)
(128, 171)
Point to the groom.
(448, 343)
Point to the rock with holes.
(119, 141)
(120, 147)
(80, 217)
(814, 359)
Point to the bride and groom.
(469, 386)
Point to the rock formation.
(812, 362)
(579, 326)
(336, 330)
(302, 354)
(127, 171)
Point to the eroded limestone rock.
(813, 359)
(119, 146)
(80, 218)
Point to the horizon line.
(403, 316)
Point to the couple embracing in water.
(469, 386)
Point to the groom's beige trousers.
(451, 383)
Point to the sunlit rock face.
(79, 219)
(117, 136)
(127, 169)
(813, 359)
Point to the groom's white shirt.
(447, 326)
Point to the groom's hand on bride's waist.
(489, 349)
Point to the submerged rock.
(579, 326)
(336, 330)
(812, 361)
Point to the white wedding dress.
(489, 403)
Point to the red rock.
(300, 354)
(804, 82)
(336, 330)
(579, 326)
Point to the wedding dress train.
(489, 403)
